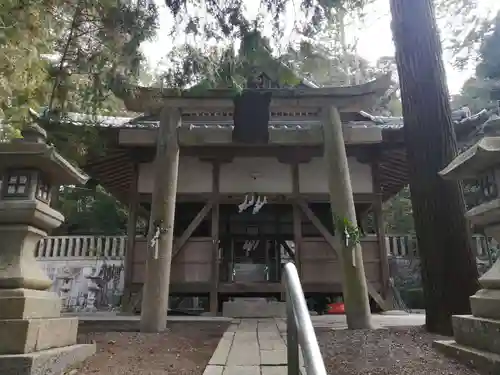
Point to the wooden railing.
(113, 247)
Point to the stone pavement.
(255, 346)
(251, 347)
(258, 346)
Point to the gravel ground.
(397, 351)
(185, 348)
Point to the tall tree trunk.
(449, 271)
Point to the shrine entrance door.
(251, 244)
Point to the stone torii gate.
(171, 138)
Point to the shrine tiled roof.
(384, 122)
(464, 122)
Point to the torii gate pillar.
(354, 283)
(161, 226)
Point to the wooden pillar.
(355, 289)
(297, 218)
(157, 277)
(131, 234)
(214, 291)
(380, 231)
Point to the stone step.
(250, 299)
(486, 362)
(50, 361)
(478, 333)
(253, 308)
(30, 335)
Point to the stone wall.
(77, 281)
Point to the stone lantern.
(477, 336)
(34, 338)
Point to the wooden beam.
(131, 234)
(329, 238)
(287, 249)
(236, 198)
(156, 289)
(379, 229)
(343, 102)
(214, 295)
(287, 154)
(297, 219)
(349, 99)
(335, 245)
(188, 232)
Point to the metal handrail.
(299, 328)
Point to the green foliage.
(350, 233)
(225, 22)
(201, 70)
(101, 39)
(476, 92)
(66, 55)
(75, 142)
(25, 34)
(489, 53)
(325, 62)
(226, 19)
(88, 211)
(398, 214)
(465, 27)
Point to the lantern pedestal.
(34, 338)
(477, 336)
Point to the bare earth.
(397, 351)
(185, 348)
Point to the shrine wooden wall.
(257, 174)
(192, 264)
(320, 265)
(320, 269)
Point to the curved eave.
(114, 171)
(147, 99)
(484, 155)
(46, 158)
(393, 169)
(464, 127)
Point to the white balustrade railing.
(401, 246)
(57, 247)
(406, 245)
(114, 247)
